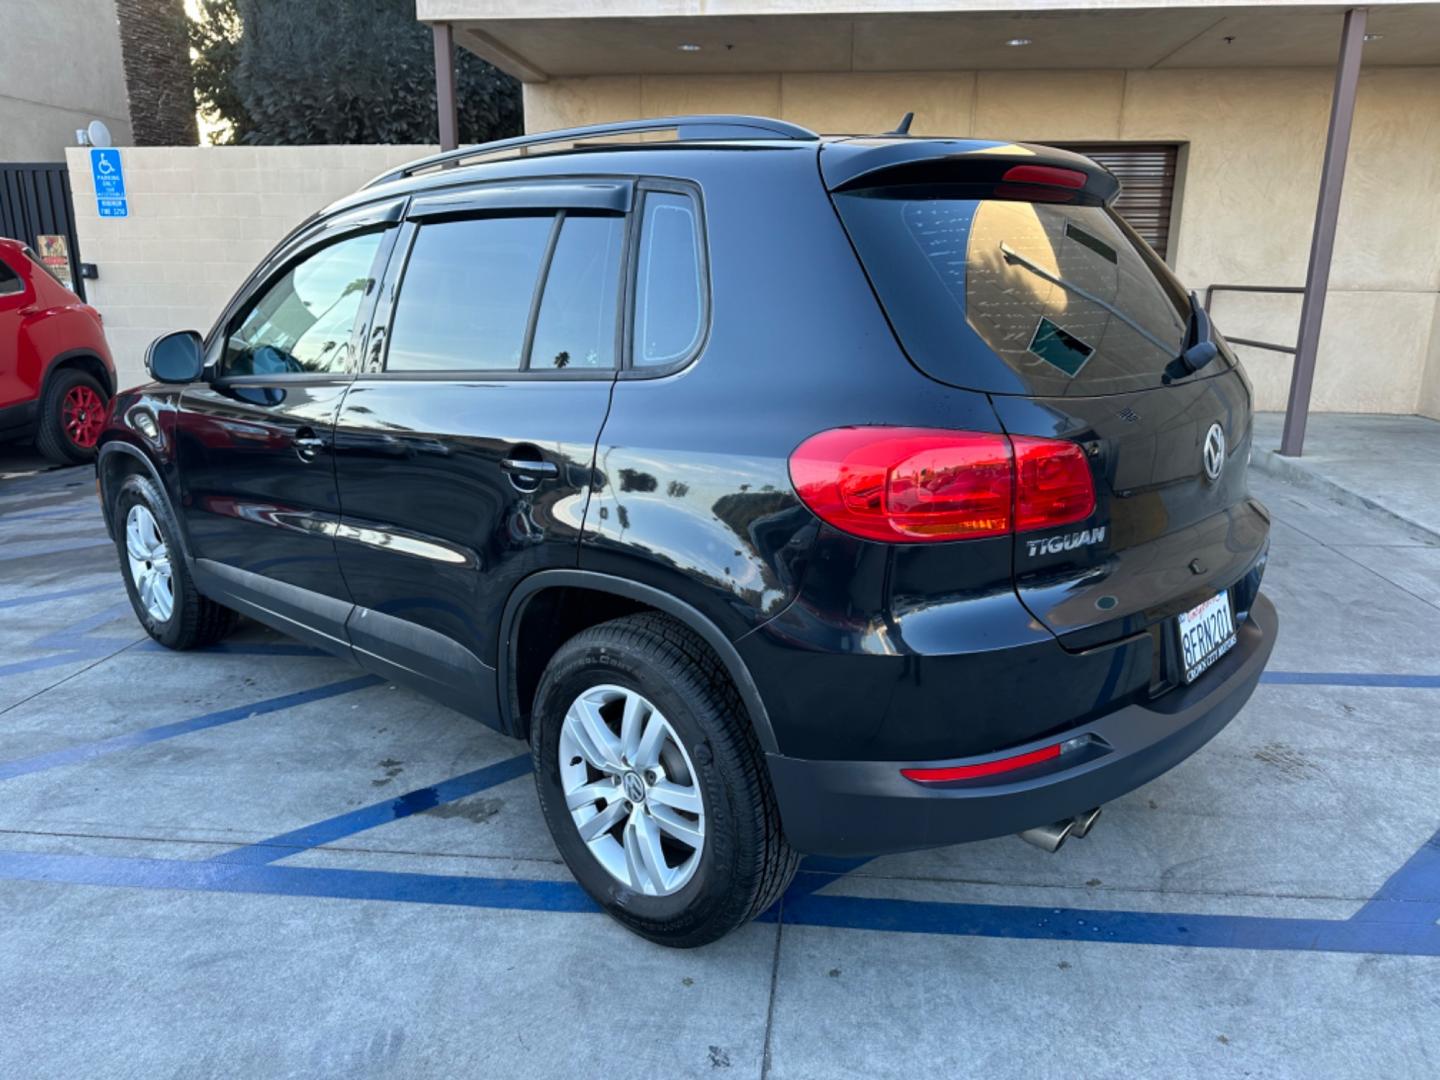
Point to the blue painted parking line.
(848, 912)
(59, 511)
(73, 755)
(207, 876)
(376, 814)
(50, 547)
(1412, 893)
(1388, 680)
(63, 594)
(91, 651)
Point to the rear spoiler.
(864, 163)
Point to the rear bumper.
(867, 808)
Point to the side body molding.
(512, 723)
(392, 648)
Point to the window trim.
(301, 241)
(392, 285)
(323, 239)
(628, 368)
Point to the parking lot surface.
(254, 860)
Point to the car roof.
(845, 159)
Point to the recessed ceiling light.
(1373, 37)
(688, 47)
(1018, 41)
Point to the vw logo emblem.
(634, 788)
(1214, 453)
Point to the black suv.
(787, 494)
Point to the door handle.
(533, 470)
(307, 443)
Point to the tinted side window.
(465, 298)
(9, 281)
(669, 296)
(302, 322)
(576, 326)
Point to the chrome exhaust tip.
(1049, 837)
(1085, 822)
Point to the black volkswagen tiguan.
(788, 494)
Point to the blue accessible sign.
(109, 183)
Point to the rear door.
(464, 448)
(1049, 303)
(253, 441)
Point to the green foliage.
(299, 72)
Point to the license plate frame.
(1205, 633)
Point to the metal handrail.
(686, 128)
(1287, 289)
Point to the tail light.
(919, 485)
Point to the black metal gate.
(35, 201)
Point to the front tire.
(72, 412)
(152, 562)
(653, 784)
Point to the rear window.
(9, 280)
(1015, 297)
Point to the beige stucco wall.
(59, 69)
(1252, 171)
(200, 219)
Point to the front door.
(254, 442)
(464, 459)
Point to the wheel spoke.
(672, 794)
(590, 794)
(643, 837)
(682, 829)
(635, 708)
(647, 754)
(594, 732)
(134, 545)
(602, 822)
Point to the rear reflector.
(985, 768)
(1047, 175)
(924, 485)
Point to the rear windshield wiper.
(1015, 258)
(1199, 347)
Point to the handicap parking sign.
(110, 198)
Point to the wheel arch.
(114, 462)
(83, 359)
(517, 674)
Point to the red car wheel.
(83, 414)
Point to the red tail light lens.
(917, 485)
(907, 484)
(1055, 486)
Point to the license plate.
(1207, 632)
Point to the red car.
(56, 375)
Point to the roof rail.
(686, 128)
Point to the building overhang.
(539, 39)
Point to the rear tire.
(72, 411)
(709, 762)
(152, 563)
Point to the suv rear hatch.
(1003, 270)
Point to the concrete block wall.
(201, 217)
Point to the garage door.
(1147, 185)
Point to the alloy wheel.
(82, 415)
(631, 790)
(149, 563)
